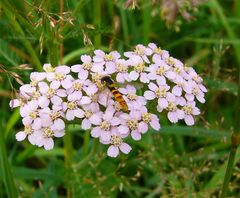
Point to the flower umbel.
(148, 79)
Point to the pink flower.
(92, 115)
(122, 71)
(72, 110)
(116, 145)
(141, 52)
(44, 137)
(28, 132)
(158, 53)
(52, 118)
(196, 92)
(161, 92)
(133, 101)
(29, 112)
(84, 68)
(174, 114)
(108, 122)
(160, 71)
(109, 60)
(148, 118)
(75, 91)
(130, 125)
(37, 77)
(49, 94)
(190, 109)
(181, 85)
(139, 69)
(60, 77)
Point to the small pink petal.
(70, 115)
(162, 102)
(95, 132)
(189, 120)
(113, 151)
(172, 117)
(95, 119)
(55, 84)
(56, 100)
(86, 124)
(79, 113)
(144, 78)
(152, 86)
(125, 148)
(123, 129)
(177, 90)
(59, 124)
(136, 135)
(155, 125)
(133, 75)
(149, 95)
(76, 68)
(66, 83)
(105, 136)
(20, 136)
(142, 127)
(48, 143)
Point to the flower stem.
(6, 168)
(97, 22)
(236, 133)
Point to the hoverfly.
(109, 83)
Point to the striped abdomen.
(118, 97)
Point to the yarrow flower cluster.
(57, 95)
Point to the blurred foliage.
(177, 161)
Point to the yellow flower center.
(36, 94)
(132, 124)
(77, 86)
(72, 105)
(96, 77)
(55, 115)
(139, 67)
(170, 61)
(108, 57)
(59, 76)
(116, 140)
(161, 92)
(87, 66)
(50, 92)
(88, 114)
(177, 70)
(33, 115)
(195, 91)
(121, 67)
(187, 109)
(48, 132)
(146, 117)
(28, 130)
(105, 125)
(171, 107)
(160, 71)
(131, 96)
(49, 68)
(139, 50)
(34, 83)
(158, 51)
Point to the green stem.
(6, 168)
(10, 15)
(68, 158)
(97, 22)
(228, 173)
(236, 133)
